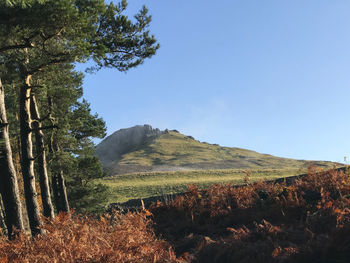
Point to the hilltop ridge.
(123, 141)
(142, 149)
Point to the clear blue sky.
(270, 76)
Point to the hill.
(144, 149)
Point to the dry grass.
(308, 221)
(71, 238)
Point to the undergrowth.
(74, 238)
(307, 220)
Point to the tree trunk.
(27, 160)
(60, 192)
(56, 194)
(63, 192)
(58, 182)
(41, 156)
(3, 227)
(8, 177)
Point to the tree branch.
(19, 46)
(42, 66)
(46, 127)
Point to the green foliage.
(22, 3)
(43, 38)
(67, 31)
(73, 150)
(84, 193)
(84, 124)
(70, 148)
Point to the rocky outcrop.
(123, 141)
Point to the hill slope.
(123, 141)
(142, 148)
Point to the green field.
(143, 185)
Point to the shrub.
(76, 238)
(305, 221)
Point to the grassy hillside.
(173, 149)
(142, 185)
(168, 163)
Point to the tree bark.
(58, 182)
(62, 192)
(41, 157)
(56, 194)
(8, 176)
(27, 160)
(3, 227)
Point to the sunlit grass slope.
(176, 160)
(143, 185)
(177, 150)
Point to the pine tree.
(9, 182)
(51, 32)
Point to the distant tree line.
(46, 128)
